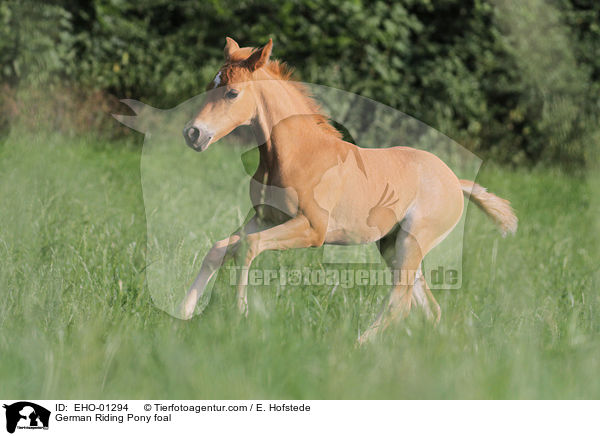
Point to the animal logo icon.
(26, 415)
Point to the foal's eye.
(232, 93)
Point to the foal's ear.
(260, 57)
(230, 47)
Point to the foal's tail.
(498, 209)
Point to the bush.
(517, 81)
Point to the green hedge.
(517, 81)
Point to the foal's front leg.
(212, 262)
(295, 233)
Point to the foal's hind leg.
(405, 265)
(421, 295)
(414, 240)
(424, 297)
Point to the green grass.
(77, 319)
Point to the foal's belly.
(350, 235)
(348, 225)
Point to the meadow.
(77, 319)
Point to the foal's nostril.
(193, 133)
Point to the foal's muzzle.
(197, 137)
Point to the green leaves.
(463, 68)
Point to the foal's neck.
(279, 103)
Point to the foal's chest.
(272, 203)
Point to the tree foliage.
(516, 80)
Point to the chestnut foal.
(328, 191)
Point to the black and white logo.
(26, 415)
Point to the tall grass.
(77, 321)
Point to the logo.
(26, 415)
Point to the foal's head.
(231, 100)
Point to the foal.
(328, 191)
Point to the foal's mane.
(282, 71)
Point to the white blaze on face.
(217, 79)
